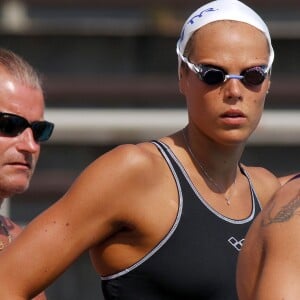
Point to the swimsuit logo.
(235, 243)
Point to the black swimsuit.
(196, 259)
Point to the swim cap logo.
(192, 20)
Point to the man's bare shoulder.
(271, 249)
(280, 214)
(284, 206)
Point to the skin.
(269, 264)
(126, 201)
(284, 179)
(18, 155)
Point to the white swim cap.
(221, 10)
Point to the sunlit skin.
(269, 263)
(18, 154)
(222, 117)
(124, 203)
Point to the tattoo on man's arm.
(285, 213)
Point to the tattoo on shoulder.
(285, 213)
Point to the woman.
(166, 220)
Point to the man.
(22, 128)
(269, 264)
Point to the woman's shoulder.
(127, 166)
(262, 175)
(286, 178)
(265, 182)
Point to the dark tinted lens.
(11, 125)
(42, 130)
(254, 76)
(212, 76)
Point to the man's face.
(18, 154)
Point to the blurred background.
(109, 69)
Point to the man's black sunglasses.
(12, 125)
